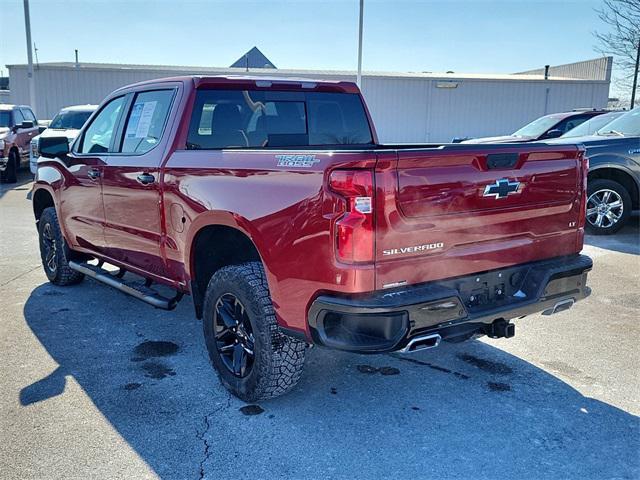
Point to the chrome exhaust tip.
(422, 343)
(560, 307)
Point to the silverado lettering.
(417, 248)
(173, 182)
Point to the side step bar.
(139, 291)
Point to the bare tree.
(623, 39)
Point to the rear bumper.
(388, 320)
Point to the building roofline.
(269, 72)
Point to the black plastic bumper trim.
(440, 305)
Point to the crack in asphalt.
(202, 436)
(19, 276)
(432, 366)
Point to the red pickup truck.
(271, 202)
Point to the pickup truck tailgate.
(458, 209)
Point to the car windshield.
(5, 119)
(69, 119)
(537, 127)
(627, 125)
(591, 126)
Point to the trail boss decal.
(304, 161)
(414, 249)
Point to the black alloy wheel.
(49, 249)
(234, 335)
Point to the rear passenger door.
(131, 182)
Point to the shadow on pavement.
(465, 411)
(626, 240)
(24, 178)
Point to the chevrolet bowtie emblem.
(501, 188)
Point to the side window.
(146, 121)
(97, 137)
(570, 123)
(28, 115)
(17, 117)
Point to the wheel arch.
(42, 198)
(621, 176)
(214, 245)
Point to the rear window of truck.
(256, 118)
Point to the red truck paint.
(424, 195)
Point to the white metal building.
(406, 107)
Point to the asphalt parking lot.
(86, 393)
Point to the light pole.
(635, 77)
(359, 77)
(32, 87)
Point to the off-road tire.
(62, 274)
(621, 191)
(10, 175)
(279, 359)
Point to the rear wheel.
(54, 251)
(253, 358)
(608, 206)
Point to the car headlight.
(1, 146)
(34, 148)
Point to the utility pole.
(32, 87)
(359, 77)
(635, 77)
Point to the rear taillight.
(584, 167)
(354, 230)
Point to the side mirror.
(553, 133)
(26, 124)
(53, 147)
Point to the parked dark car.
(543, 128)
(614, 172)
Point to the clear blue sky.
(473, 36)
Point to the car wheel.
(54, 251)
(10, 175)
(608, 206)
(253, 358)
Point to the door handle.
(146, 178)
(93, 174)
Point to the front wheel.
(10, 175)
(608, 206)
(54, 250)
(253, 358)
